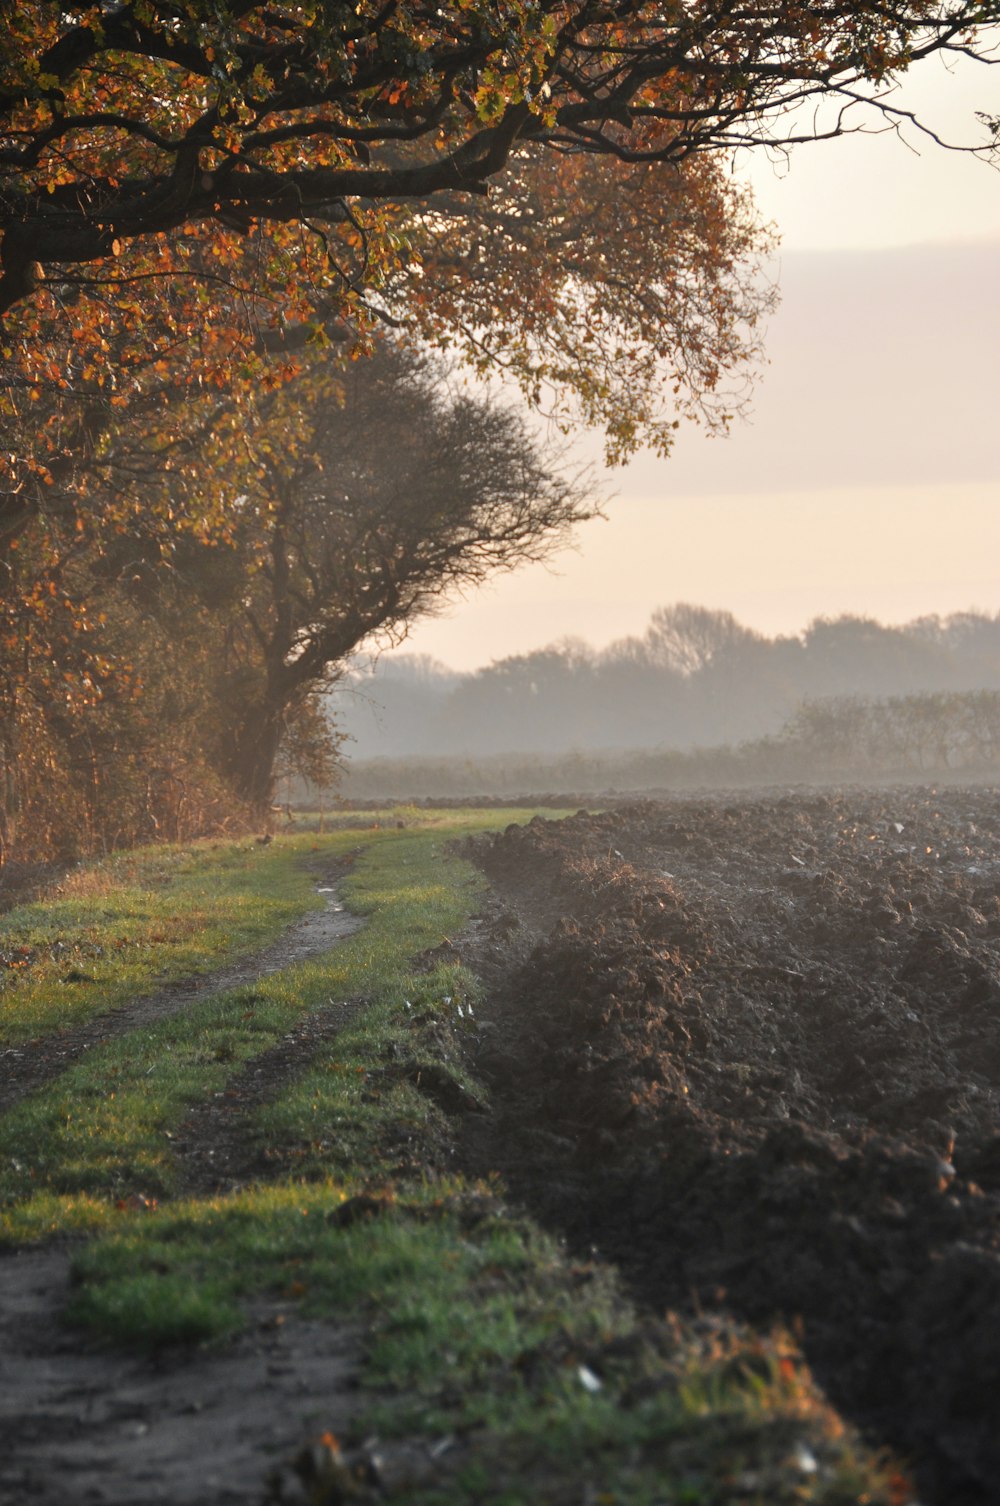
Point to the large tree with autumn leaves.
(227, 178)
(131, 120)
(198, 199)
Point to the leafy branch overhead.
(142, 118)
(190, 192)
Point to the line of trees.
(947, 734)
(231, 233)
(696, 678)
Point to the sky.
(868, 477)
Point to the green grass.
(100, 1132)
(479, 1326)
(356, 1111)
(102, 1128)
(141, 919)
(473, 1323)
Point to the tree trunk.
(249, 756)
(8, 784)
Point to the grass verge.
(481, 1331)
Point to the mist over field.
(696, 678)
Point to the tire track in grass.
(192, 1434)
(27, 1068)
(215, 1148)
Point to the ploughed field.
(749, 1048)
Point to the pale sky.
(869, 477)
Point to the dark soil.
(755, 1059)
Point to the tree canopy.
(191, 192)
(129, 120)
(261, 174)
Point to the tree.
(127, 419)
(106, 713)
(194, 197)
(851, 654)
(688, 639)
(376, 492)
(191, 192)
(526, 703)
(211, 181)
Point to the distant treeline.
(696, 679)
(846, 738)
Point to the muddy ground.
(746, 1047)
(754, 1057)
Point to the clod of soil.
(756, 1059)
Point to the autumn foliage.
(205, 208)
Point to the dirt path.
(82, 1423)
(214, 1147)
(26, 1068)
(757, 1063)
